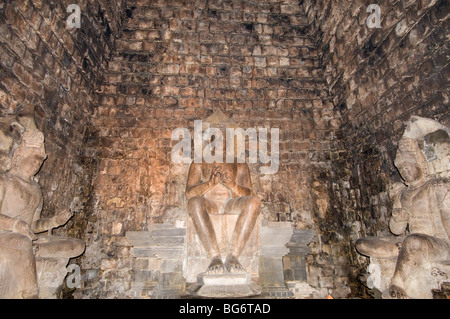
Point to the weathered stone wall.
(176, 62)
(378, 78)
(108, 96)
(51, 71)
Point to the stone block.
(158, 265)
(271, 273)
(226, 286)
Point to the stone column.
(294, 261)
(273, 239)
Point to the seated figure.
(20, 221)
(214, 188)
(222, 189)
(422, 207)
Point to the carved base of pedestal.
(225, 286)
(277, 293)
(51, 273)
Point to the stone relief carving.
(10, 131)
(411, 266)
(32, 263)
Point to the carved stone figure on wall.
(20, 222)
(10, 131)
(216, 189)
(421, 206)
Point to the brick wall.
(52, 71)
(108, 96)
(378, 78)
(176, 62)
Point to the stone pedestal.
(273, 238)
(52, 270)
(294, 262)
(225, 286)
(158, 256)
(51, 273)
(380, 272)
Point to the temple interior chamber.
(342, 82)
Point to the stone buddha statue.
(219, 189)
(21, 222)
(421, 208)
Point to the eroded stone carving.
(215, 189)
(32, 264)
(411, 266)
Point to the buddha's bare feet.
(216, 266)
(395, 292)
(233, 265)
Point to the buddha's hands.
(23, 228)
(400, 215)
(62, 218)
(216, 175)
(226, 180)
